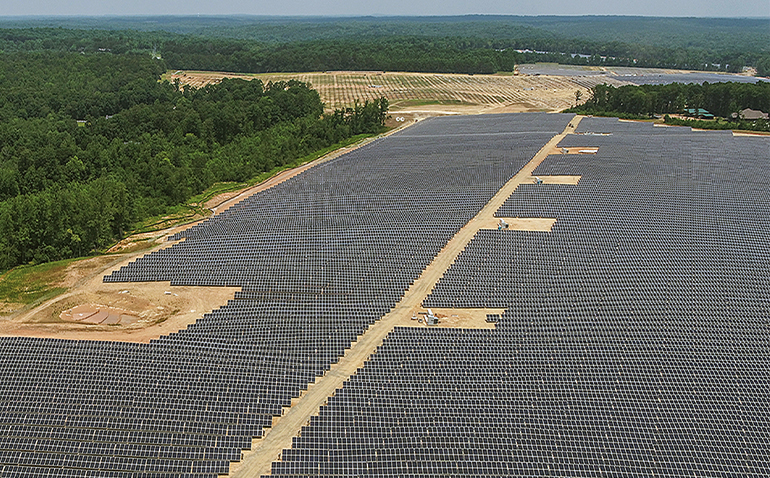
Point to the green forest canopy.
(443, 44)
(720, 99)
(91, 144)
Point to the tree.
(68, 188)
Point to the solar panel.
(319, 258)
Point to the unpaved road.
(265, 450)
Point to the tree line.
(720, 99)
(469, 47)
(92, 144)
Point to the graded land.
(415, 95)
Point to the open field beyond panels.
(428, 92)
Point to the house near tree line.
(749, 114)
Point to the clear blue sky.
(664, 8)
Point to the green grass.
(304, 160)
(720, 124)
(216, 188)
(32, 284)
(173, 215)
(325, 151)
(194, 209)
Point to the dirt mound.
(98, 314)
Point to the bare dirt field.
(150, 309)
(520, 223)
(426, 94)
(453, 318)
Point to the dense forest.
(711, 36)
(473, 44)
(720, 99)
(92, 143)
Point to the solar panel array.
(635, 340)
(319, 258)
(638, 76)
(654, 211)
(548, 397)
(687, 78)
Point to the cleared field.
(429, 92)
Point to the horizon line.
(371, 15)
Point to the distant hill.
(253, 44)
(667, 32)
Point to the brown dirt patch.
(148, 240)
(520, 223)
(80, 270)
(146, 311)
(543, 224)
(98, 314)
(158, 308)
(580, 150)
(7, 308)
(750, 133)
(573, 180)
(453, 318)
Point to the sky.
(663, 8)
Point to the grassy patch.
(306, 159)
(192, 211)
(174, 215)
(720, 124)
(342, 144)
(608, 114)
(31, 284)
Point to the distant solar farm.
(495, 295)
(535, 87)
(636, 76)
